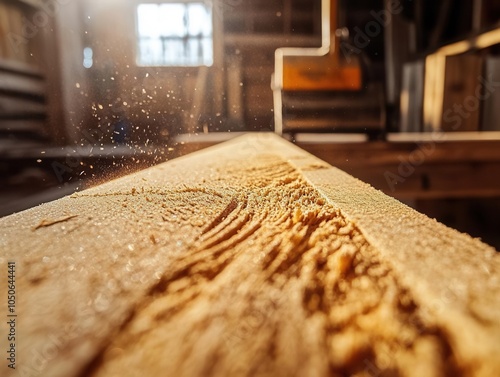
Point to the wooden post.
(248, 258)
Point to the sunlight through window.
(174, 34)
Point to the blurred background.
(404, 95)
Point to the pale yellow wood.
(248, 258)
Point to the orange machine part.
(328, 72)
(320, 73)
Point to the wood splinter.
(46, 223)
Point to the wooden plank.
(248, 43)
(4, 30)
(198, 103)
(12, 126)
(20, 84)
(248, 258)
(21, 51)
(463, 91)
(438, 150)
(435, 72)
(411, 98)
(37, 4)
(19, 68)
(12, 107)
(437, 181)
(235, 91)
(257, 99)
(343, 124)
(491, 108)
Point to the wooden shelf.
(442, 137)
(20, 68)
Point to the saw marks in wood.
(252, 258)
(280, 285)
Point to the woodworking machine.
(321, 90)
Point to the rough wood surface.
(252, 258)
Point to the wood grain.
(251, 258)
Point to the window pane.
(171, 20)
(200, 20)
(151, 51)
(147, 20)
(208, 49)
(175, 34)
(174, 52)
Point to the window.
(174, 34)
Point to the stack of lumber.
(252, 258)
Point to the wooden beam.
(19, 68)
(13, 126)
(251, 257)
(13, 107)
(21, 85)
(235, 84)
(435, 73)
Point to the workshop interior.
(404, 95)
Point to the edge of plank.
(453, 276)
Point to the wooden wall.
(93, 105)
(153, 100)
(28, 69)
(234, 94)
(18, 39)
